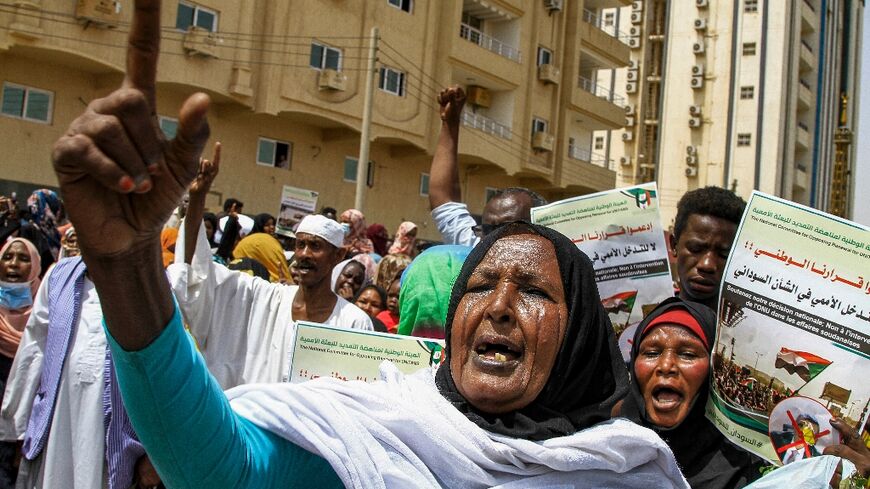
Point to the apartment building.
(288, 79)
(749, 94)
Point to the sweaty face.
(370, 302)
(509, 325)
(350, 280)
(671, 367)
(507, 208)
(15, 263)
(393, 296)
(701, 253)
(315, 258)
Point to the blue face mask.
(346, 228)
(15, 295)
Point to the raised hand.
(451, 101)
(119, 176)
(208, 170)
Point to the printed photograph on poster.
(794, 327)
(296, 203)
(621, 233)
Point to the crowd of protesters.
(148, 345)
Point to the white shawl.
(401, 433)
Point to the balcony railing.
(591, 17)
(488, 42)
(599, 91)
(583, 154)
(485, 124)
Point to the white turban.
(323, 227)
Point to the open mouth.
(667, 398)
(13, 276)
(496, 350)
(305, 267)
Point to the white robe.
(243, 325)
(74, 454)
(402, 433)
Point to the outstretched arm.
(444, 173)
(208, 170)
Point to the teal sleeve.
(191, 433)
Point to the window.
(392, 81)
(608, 19)
(747, 93)
(538, 125)
(168, 125)
(30, 104)
(424, 184)
(323, 56)
(277, 154)
(545, 56)
(744, 139)
(401, 4)
(750, 6)
(599, 142)
(748, 49)
(472, 21)
(193, 15)
(350, 166)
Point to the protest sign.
(621, 232)
(352, 354)
(793, 340)
(296, 203)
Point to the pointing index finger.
(143, 47)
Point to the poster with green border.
(351, 354)
(296, 203)
(793, 339)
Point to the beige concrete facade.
(257, 67)
(745, 95)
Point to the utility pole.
(362, 164)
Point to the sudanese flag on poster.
(806, 365)
(621, 302)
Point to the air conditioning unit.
(478, 96)
(698, 48)
(634, 30)
(634, 42)
(542, 141)
(629, 109)
(691, 150)
(629, 122)
(636, 18)
(695, 110)
(631, 87)
(627, 136)
(694, 122)
(637, 6)
(103, 13)
(698, 70)
(553, 5)
(633, 64)
(331, 80)
(631, 75)
(697, 82)
(200, 42)
(549, 74)
(700, 24)
(692, 160)
(625, 160)
(691, 171)
(702, 3)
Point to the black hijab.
(588, 376)
(706, 457)
(260, 221)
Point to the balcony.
(587, 156)
(583, 176)
(605, 109)
(809, 18)
(489, 43)
(803, 136)
(801, 178)
(485, 124)
(604, 42)
(805, 95)
(808, 59)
